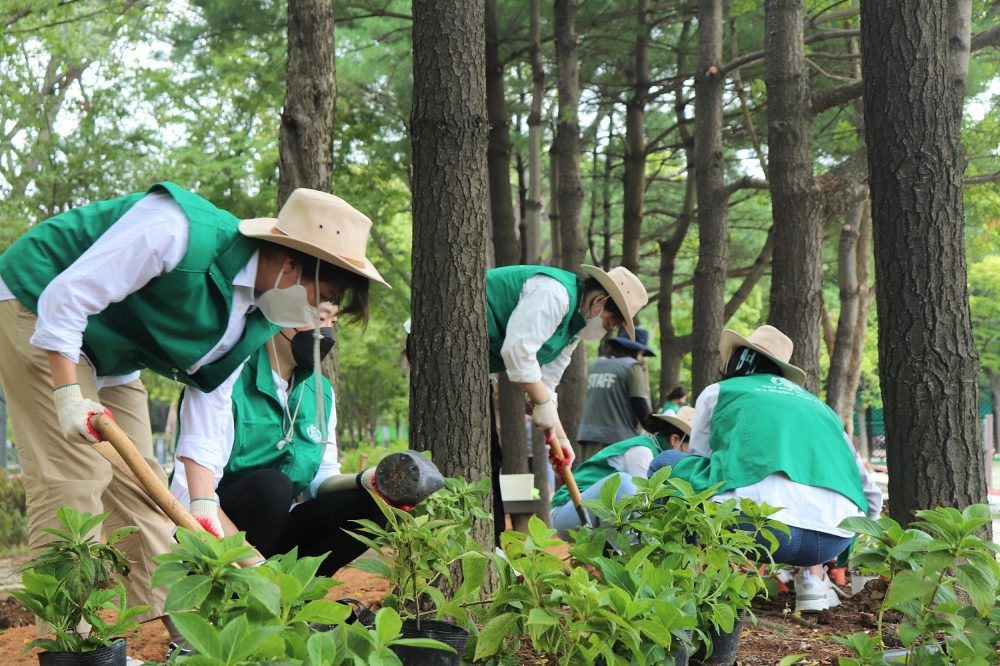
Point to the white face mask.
(289, 307)
(594, 330)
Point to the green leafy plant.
(621, 615)
(75, 578)
(265, 614)
(709, 547)
(416, 551)
(943, 578)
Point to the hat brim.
(631, 344)
(264, 228)
(615, 293)
(673, 420)
(730, 340)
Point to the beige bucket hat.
(770, 342)
(321, 225)
(683, 419)
(624, 289)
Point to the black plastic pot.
(680, 653)
(446, 632)
(113, 655)
(723, 645)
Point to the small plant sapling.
(73, 580)
(935, 569)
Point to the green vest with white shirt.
(174, 320)
(596, 467)
(503, 292)
(266, 436)
(766, 424)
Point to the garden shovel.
(567, 478)
(127, 459)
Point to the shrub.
(13, 512)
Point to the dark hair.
(677, 393)
(618, 350)
(658, 426)
(591, 286)
(348, 283)
(744, 362)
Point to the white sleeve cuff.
(203, 451)
(64, 341)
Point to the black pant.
(496, 463)
(258, 504)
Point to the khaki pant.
(60, 473)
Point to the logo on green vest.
(314, 433)
(785, 383)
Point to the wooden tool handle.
(150, 482)
(567, 474)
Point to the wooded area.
(753, 162)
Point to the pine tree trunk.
(573, 387)
(506, 247)
(927, 357)
(713, 247)
(866, 298)
(850, 297)
(449, 370)
(635, 142)
(797, 265)
(533, 216)
(671, 352)
(305, 138)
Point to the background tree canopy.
(105, 98)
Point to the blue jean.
(564, 516)
(801, 548)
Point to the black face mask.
(302, 346)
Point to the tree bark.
(865, 300)
(306, 135)
(927, 357)
(305, 138)
(533, 217)
(797, 267)
(994, 379)
(850, 297)
(506, 247)
(671, 353)
(635, 142)
(448, 126)
(572, 389)
(713, 247)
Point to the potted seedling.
(415, 552)
(705, 544)
(69, 584)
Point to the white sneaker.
(812, 595)
(833, 592)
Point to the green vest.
(261, 424)
(503, 291)
(765, 424)
(173, 321)
(596, 467)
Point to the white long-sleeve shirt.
(150, 239)
(329, 465)
(543, 304)
(806, 507)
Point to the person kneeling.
(626, 459)
(765, 438)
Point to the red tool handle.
(567, 475)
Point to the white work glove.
(545, 414)
(74, 412)
(206, 511)
(568, 455)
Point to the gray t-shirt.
(607, 415)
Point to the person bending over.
(764, 437)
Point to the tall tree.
(532, 240)
(713, 232)
(306, 136)
(572, 388)
(635, 140)
(507, 248)
(448, 125)
(797, 267)
(927, 357)
(305, 139)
